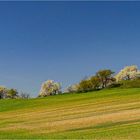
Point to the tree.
(95, 81)
(12, 93)
(49, 88)
(24, 95)
(128, 73)
(105, 77)
(73, 88)
(85, 85)
(3, 92)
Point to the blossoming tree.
(49, 88)
(128, 73)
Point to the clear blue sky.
(65, 41)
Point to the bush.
(130, 83)
(115, 85)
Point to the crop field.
(111, 114)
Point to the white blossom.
(128, 73)
(49, 88)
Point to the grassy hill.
(103, 115)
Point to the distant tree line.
(102, 79)
(128, 77)
(6, 93)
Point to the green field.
(112, 114)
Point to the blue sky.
(65, 41)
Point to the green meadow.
(110, 114)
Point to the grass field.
(112, 114)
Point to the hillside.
(103, 115)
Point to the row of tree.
(6, 93)
(102, 79)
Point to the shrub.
(114, 85)
(130, 83)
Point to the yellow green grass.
(112, 114)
